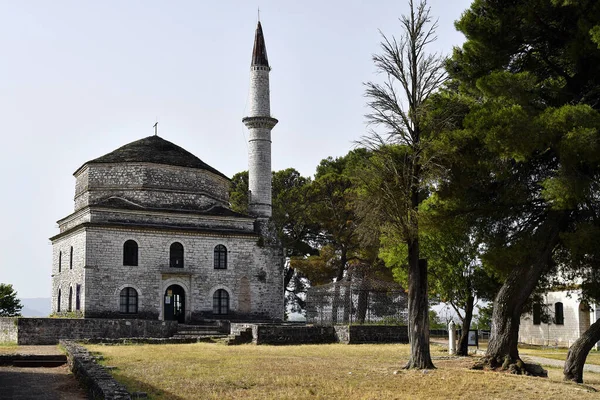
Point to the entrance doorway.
(174, 303)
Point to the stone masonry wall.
(259, 171)
(308, 334)
(151, 185)
(359, 334)
(283, 335)
(259, 93)
(41, 331)
(208, 222)
(8, 330)
(253, 270)
(71, 271)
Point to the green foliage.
(595, 34)
(526, 149)
(434, 321)
(484, 317)
(238, 192)
(10, 305)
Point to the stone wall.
(8, 330)
(97, 381)
(309, 334)
(151, 185)
(39, 331)
(68, 272)
(279, 335)
(253, 278)
(359, 334)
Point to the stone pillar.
(451, 338)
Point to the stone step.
(38, 363)
(33, 360)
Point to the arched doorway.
(174, 303)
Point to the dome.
(156, 150)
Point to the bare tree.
(398, 106)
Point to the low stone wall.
(8, 330)
(37, 331)
(97, 381)
(308, 334)
(359, 334)
(277, 334)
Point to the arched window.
(130, 253)
(129, 301)
(559, 316)
(70, 305)
(59, 261)
(537, 313)
(176, 255)
(220, 257)
(78, 297)
(58, 302)
(221, 302)
(71, 259)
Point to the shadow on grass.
(134, 385)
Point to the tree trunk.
(363, 301)
(347, 302)
(418, 316)
(463, 342)
(518, 286)
(578, 353)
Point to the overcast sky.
(80, 78)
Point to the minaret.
(259, 124)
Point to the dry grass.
(212, 371)
(7, 347)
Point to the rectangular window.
(537, 313)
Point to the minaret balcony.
(260, 122)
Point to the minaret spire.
(259, 53)
(259, 124)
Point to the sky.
(81, 78)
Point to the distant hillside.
(38, 307)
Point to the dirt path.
(558, 363)
(39, 384)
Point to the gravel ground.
(38, 383)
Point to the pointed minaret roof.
(259, 53)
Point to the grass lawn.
(215, 371)
(7, 347)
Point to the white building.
(559, 321)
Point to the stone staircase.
(242, 337)
(205, 332)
